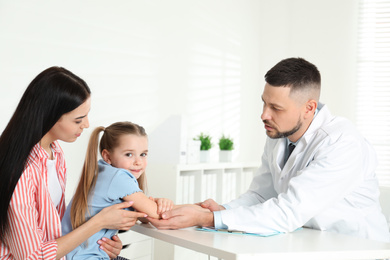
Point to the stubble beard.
(278, 134)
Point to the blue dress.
(111, 186)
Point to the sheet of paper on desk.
(238, 232)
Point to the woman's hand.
(111, 246)
(163, 204)
(115, 217)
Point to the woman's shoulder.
(35, 159)
(33, 171)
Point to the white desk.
(301, 244)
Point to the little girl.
(111, 180)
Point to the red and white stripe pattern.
(34, 221)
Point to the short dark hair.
(296, 73)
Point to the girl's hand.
(115, 217)
(163, 204)
(211, 205)
(111, 246)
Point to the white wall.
(204, 60)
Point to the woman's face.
(70, 126)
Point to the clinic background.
(201, 61)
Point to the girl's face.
(70, 126)
(131, 154)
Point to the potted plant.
(226, 146)
(205, 146)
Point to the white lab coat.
(328, 183)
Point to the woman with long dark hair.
(54, 107)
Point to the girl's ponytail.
(87, 181)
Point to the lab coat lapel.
(296, 156)
(278, 154)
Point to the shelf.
(192, 183)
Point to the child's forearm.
(143, 204)
(186, 205)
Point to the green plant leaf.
(226, 143)
(205, 141)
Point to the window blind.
(373, 81)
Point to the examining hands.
(188, 215)
(211, 205)
(163, 204)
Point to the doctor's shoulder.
(340, 128)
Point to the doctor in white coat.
(327, 183)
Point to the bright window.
(373, 97)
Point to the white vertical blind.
(373, 83)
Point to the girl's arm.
(113, 217)
(143, 204)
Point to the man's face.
(282, 115)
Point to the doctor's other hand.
(184, 216)
(211, 205)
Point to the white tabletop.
(303, 244)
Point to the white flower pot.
(225, 155)
(204, 156)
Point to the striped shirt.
(34, 221)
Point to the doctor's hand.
(184, 216)
(211, 205)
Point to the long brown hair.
(109, 141)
